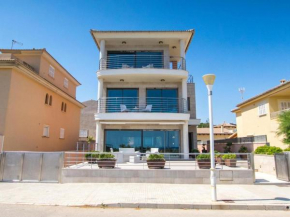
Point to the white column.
(182, 48)
(100, 94)
(103, 55)
(98, 136)
(185, 140)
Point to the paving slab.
(144, 195)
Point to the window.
(65, 83)
(50, 100)
(61, 135)
(163, 100)
(83, 134)
(46, 99)
(188, 103)
(45, 131)
(63, 107)
(116, 97)
(262, 109)
(51, 71)
(284, 105)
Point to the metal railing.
(277, 113)
(138, 161)
(142, 104)
(142, 61)
(249, 139)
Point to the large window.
(118, 97)
(134, 59)
(163, 100)
(143, 140)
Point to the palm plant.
(284, 126)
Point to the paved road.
(59, 211)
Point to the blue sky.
(245, 43)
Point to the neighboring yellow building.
(221, 131)
(38, 106)
(258, 115)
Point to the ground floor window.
(168, 141)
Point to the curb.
(217, 206)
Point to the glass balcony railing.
(147, 104)
(142, 61)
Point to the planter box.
(92, 160)
(203, 163)
(244, 157)
(220, 161)
(231, 162)
(156, 164)
(107, 163)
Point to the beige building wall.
(27, 114)
(249, 123)
(5, 78)
(206, 137)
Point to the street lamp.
(209, 81)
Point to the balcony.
(139, 61)
(274, 115)
(142, 105)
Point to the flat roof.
(186, 35)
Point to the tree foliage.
(284, 126)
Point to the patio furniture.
(135, 159)
(148, 66)
(124, 108)
(127, 152)
(147, 109)
(154, 150)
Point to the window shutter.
(65, 83)
(61, 136)
(46, 131)
(51, 71)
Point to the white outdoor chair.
(154, 150)
(147, 109)
(124, 108)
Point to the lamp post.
(209, 81)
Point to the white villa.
(146, 98)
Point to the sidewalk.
(129, 195)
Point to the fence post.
(252, 166)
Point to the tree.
(204, 125)
(284, 126)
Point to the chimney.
(222, 129)
(282, 81)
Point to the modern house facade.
(38, 110)
(144, 98)
(258, 115)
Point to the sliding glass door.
(167, 141)
(163, 100)
(117, 97)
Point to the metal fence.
(174, 161)
(282, 164)
(31, 166)
(142, 61)
(249, 139)
(142, 104)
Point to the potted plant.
(156, 161)
(92, 157)
(243, 149)
(230, 160)
(203, 161)
(227, 148)
(218, 158)
(106, 160)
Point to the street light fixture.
(209, 81)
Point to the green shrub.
(287, 149)
(243, 149)
(203, 156)
(229, 156)
(156, 157)
(91, 155)
(104, 156)
(194, 151)
(227, 148)
(269, 150)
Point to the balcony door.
(121, 96)
(163, 100)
